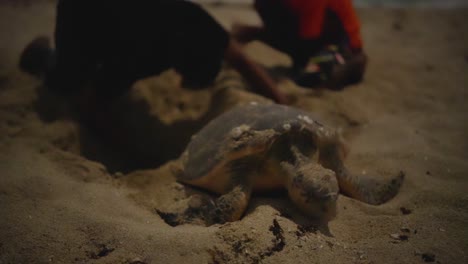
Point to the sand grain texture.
(66, 197)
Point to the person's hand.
(351, 72)
(285, 99)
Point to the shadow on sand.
(149, 125)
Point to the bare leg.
(246, 33)
(258, 77)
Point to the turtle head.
(313, 188)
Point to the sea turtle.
(262, 147)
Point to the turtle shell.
(242, 131)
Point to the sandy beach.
(71, 195)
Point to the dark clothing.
(115, 43)
(283, 26)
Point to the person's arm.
(348, 17)
(244, 33)
(258, 77)
(311, 17)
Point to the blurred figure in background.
(305, 28)
(111, 44)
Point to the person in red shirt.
(304, 28)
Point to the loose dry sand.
(68, 195)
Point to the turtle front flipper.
(363, 188)
(232, 204)
(234, 180)
(228, 207)
(201, 211)
(370, 190)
